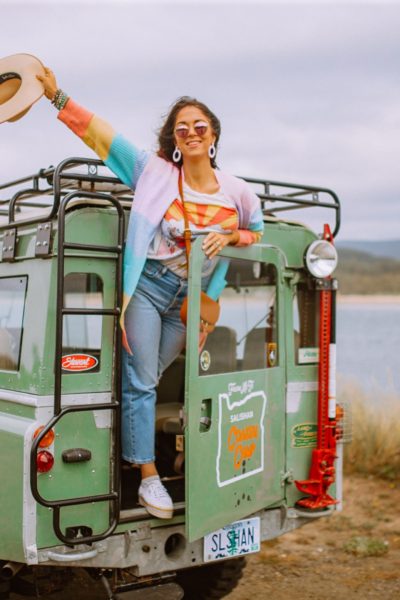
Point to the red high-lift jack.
(322, 471)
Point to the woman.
(220, 207)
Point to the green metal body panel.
(291, 239)
(12, 476)
(18, 410)
(71, 480)
(224, 482)
(35, 379)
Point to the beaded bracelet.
(60, 99)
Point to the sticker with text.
(78, 362)
(240, 432)
(304, 435)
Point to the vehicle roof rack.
(278, 196)
(37, 197)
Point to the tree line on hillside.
(362, 273)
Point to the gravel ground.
(351, 555)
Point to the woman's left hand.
(214, 242)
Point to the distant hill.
(362, 273)
(386, 248)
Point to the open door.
(235, 394)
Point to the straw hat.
(19, 88)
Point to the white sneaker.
(155, 498)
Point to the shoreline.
(368, 298)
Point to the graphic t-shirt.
(206, 212)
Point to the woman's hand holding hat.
(49, 83)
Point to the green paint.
(12, 431)
(72, 480)
(217, 493)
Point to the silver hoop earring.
(177, 155)
(212, 151)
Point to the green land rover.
(249, 434)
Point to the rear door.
(235, 394)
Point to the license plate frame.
(236, 539)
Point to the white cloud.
(304, 92)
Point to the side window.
(12, 305)
(82, 332)
(305, 325)
(245, 337)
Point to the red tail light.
(44, 461)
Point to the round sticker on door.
(78, 362)
(205, 360)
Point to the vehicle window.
(246, 336)
(12, 305)
(305, 325)
(82, 333)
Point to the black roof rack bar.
(62, 177)
(58, 175)
(17, 196)
(294, 201)
(93, 178)
(41, 174)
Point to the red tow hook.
(322, 470)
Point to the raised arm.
(120, 155)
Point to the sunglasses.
(182, 131)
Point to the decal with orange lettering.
(240, 433)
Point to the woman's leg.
(139, 380)
(147, 322)
(156, 336)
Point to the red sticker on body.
(78, 362)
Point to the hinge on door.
(43, 239)
(287, 477)
(9, 244)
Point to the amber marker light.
(47, 439)
(339, 412)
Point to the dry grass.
(375, 446)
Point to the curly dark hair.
(166, 140)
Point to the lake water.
(368, 340)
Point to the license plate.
(241, 537)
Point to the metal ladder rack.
(59, 412)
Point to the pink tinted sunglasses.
(182, 131)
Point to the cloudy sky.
(306, 92)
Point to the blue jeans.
(156, 335)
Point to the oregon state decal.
(240, 432)
(76, 363)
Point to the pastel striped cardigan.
(155, 182)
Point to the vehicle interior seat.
(255, 352)
(221, 344)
